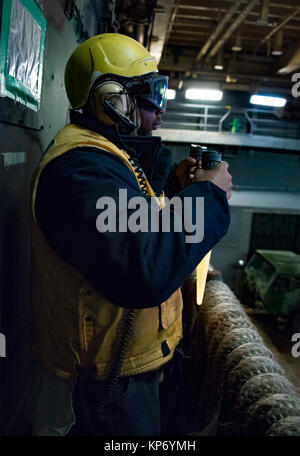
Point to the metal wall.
(24, 136)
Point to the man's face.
(150, 120)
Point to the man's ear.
(110, 90)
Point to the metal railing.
(265, 122)
(258, 121)
(195, 116)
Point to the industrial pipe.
(233, 27)
(219, 29)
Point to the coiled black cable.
(134, 163)
(127, 327)
(139, 174)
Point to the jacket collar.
(156, 165)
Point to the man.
(107, 302)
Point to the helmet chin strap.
(136, 118)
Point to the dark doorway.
(275, 231)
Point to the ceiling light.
(237, 47)
(171, 94)
(204, 94)
(219, 63)
(277, 44)
(277, 52)
(265, 100)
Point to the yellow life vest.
(73, 324)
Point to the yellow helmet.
(106, 54)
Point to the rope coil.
(243, 389)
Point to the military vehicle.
(271, 279)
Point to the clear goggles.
(151, 91)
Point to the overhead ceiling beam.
(219, 29)
(294, 62)
(211, 16)
(264, 12)
(246, 26)
(161, 28)
(232, 28)
(280, 26)
(204, 4)
(216, 5)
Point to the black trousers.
(133, 409)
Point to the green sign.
(22, 41)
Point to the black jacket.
(133, 270)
